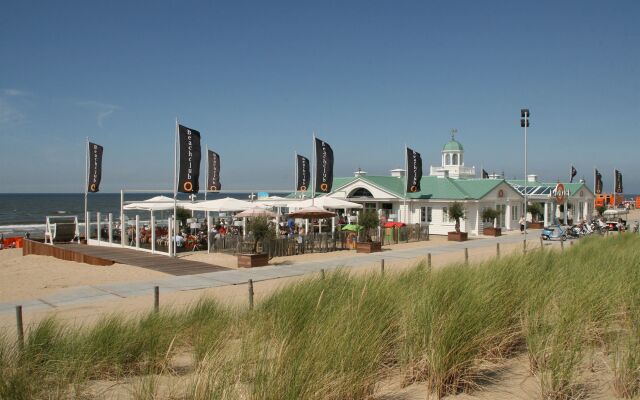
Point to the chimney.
(397, 173)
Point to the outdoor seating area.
(221, 226)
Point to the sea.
(22, 213)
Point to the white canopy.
(256, 212)
(157, 203)
(220, 205)
(327, 202)
(276, 201)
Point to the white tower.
(453, 161)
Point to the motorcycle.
(574, 232)
(554, 232)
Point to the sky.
(259, 78)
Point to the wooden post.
(156, 298)
(466, 255)
(497, 250)
(382, 266)
(250, 294)
(524, 246)
(429, 262)
(561, 244)
(571, 243)
(322, 273)
(541, 243)
(19, 327)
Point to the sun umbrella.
(312, 212)
(351, 228)
(256, 212)
(327, 202)
(153, 204)
(220, 205)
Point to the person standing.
(522, 222)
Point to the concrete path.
(83, 295)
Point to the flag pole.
(295, 173)
(86, 192)
(206, 175)
(315, 170)
(175, 190)
(406, 182)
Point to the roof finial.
(453, 132)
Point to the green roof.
(437, 188)
(453, 145)
(432, 187)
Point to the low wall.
(41, 249)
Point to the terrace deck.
(104, 256)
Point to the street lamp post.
(524, 123)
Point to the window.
(445, 214)
(455, 159)
(429, 219)
(361, 192)
(448, 159)
(423, 214)
(514, 213)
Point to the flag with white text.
(213, 180)
(303, 173)
(189, 175)
(95, 167)
(414, 171)
(324, 166)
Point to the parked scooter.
(554, 232)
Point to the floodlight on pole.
(524, 123)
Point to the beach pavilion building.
(578, 200)
(451, 181)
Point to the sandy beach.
(24, 278)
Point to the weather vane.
(453, 132)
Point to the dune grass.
(338, 337)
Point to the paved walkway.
(83, 295)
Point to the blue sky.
(258, 78)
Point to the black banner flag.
(95, 167)
(573, 174)
(414, 171)
(598, 187)
(485, 174)
(304, 174)
(213, 180)
(189, 175)
(324, 167)
(619, 188)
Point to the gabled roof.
(545, 188)
(433, 187)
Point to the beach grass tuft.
(339, 336)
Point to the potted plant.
(368, 220)
(535, 209)
(456, 212)
(489, 215)
(260, 231)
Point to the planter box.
(252, 260)
(457, 236)
(535, 225)
(368, 247)
(492, 231)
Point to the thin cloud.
(10, 114)
(103, 110)
(14, 92)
